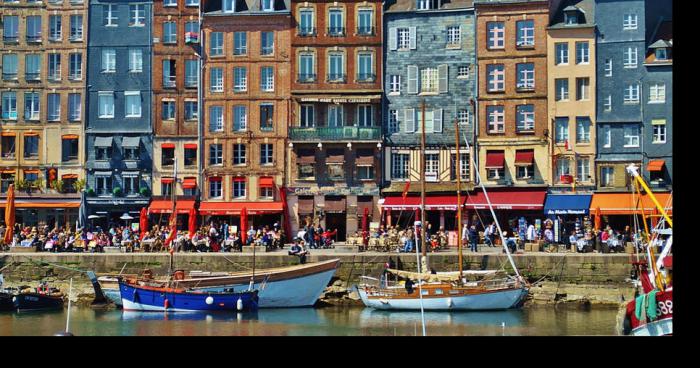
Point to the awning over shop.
(235, 208)
(167, 145)
(189, 183)
(524, 157)
(364, 159)
(166, 206)
(656, 165)
(131, 142)
(103, 141)
(335, 158)
(567, 204)
(43, 203)
(495, 159)
(627, 204)
(510, 200)
(306, 206)
(334, 205)
(266, 182)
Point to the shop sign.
(336, 100)
(567, 212)
(333, 191)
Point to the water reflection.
(186, 316)
(372, 317)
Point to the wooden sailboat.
(488, 290)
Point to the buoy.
(209, 300)
(239, 304)
(166, 304)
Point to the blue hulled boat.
(136, 297)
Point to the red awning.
(166, 206)
(234, 208)
(656, 165)
(495, 160)
(267, 182)
(510, 200)
(166, 180)
(189, 183)
(524, 157)
(168, 145)
(69, 176)
(190, 145)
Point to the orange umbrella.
(597, 218)
(365, 228)
(10, 214)
(193, 222)
(244, 224)
(143, 222)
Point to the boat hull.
(491, 300)
(36, 301)
(6, 302)
(136, 298)
(663, 327)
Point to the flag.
(10, 215)
(192, 223)
(405, 190)
(143, 222)
(566, 144)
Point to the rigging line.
(53, 264)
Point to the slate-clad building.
(119, 131)
(430, 58)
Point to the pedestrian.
(473, 239)
(531, 234)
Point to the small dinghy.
(43, 298)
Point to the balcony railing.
(362, 77)
(33, 38)
(32, 76)
(75, 37)
(525, 86)
(306, 78)
(306, 31)
(169, 82)
(336, 31)
(55, 37)
(54, 76)
(75, 76)
(9, 76)
(365, 31)
(10, 39)
(336, 78)
(334, 133)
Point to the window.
(33, 28)
(109, 61)
(526, 76)
(429, 121)
(365, 169)
(216, 119)
(191, 110)
(395, 84)
(69, 149)
(365, 115)
(8, 147)
(429, 80)
(364, 22)
(607, 176)
(266, 154)
(76, 28)
(75, 71)
(229, 6)
(54, 72)
(496, 116)
(238, 187)
(137, 13)
(168, 110)
(399, 165)
(583, 130)
(169, 32)
(31, 147)
(169, 3)
(629, 22)
(561, 130)
(216, 154)
(74, 106)
(267, 116)
(268, 5)
(131, 183)
(53, 102)
(31, 106)
(54, 28)
(454, 36)
(496, 35)
(6, 180)
(657, 93)
(110, 15)
(608, 67)
(336, 67)
(191, 2)
(267, 43)
(10, 28)
(216, 79)
(240, 43)
(191, 73)
(582, 55)
(239, 154)
(240, 79)
(563, 168)
(169, 74)
(336, 25)
(661, 53)
(629, 57)
(659, 131)
(305, 169)
(364, 72)
(216, 44)
(526, 33)
(561, 53)
(190, 155)
(9, 105)
(307, 116)
(105, 101)
(135, 61)
(463, 71)
(463, 164)
(571, 17)
(463, 117)
(526, 118)
(103, 185)
(306, 68)
(168, 156)
(215, 187)
(524, 171)
(132, 153)
(427, 4)
(103, 153)
(582, 85)
(607, 136)
(632, 94)
(393, 121)
(192, 27)
(562, 89)
(9, 66)
(631, 135)
(403, 38)
(607, 103)
(32, 67)
(583, 166)
(306, 22)
(496, 77)
(132, 105)
(267, 79)
(240, 118)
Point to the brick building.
(246, 104)
(43, 58)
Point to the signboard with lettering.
(333, 191)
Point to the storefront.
(260, 214)
(566, 211)
(160, 209)
(619, 209)
(111, 210)
(39, 210)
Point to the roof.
(586, 10)
(662, 38)
(245, 7)
(487, 2)
(397, 6)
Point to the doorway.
(336, 221)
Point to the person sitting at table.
(298, 250)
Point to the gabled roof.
(244, 7)
(398, 6)
(586, 14)
(660, 44)
(662, 38)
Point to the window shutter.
(412, 38)
(65, 143)
(437, 121)
(393, 39)
(412, 79)
(442, 78)
(409, 119)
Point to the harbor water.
(331, 321)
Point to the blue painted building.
(430, 57)
(119, 130)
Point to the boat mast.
(422, 183)
(458, 170)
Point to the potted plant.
(80, 185)
(57, 185)
(117, 191)
(144, 191)
(90, 192)
(21, 184)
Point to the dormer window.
(427, 4)
(661, 54)
(571, 17)
(229, 6)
